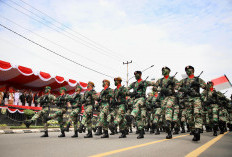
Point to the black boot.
(141, 134)
(169, 136)
(196, 135)
(99, 131)
(105, 135)
(28, 123)
(123, 134)
(62, 134)
(126, 131)
(67, 127)
(215, 128)
(131, 130)
(182, 127)
(75, 134)
(112, 131)
(116, 130)
(157, 131)
(89, 135)
(152, 131)
(45, 134)
(176, 131)
(188, 128)
(230, 127)
(221, 127)
(80, 129)
(137, 130)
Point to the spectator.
(23, 98)
(11, 96)
(6, 97)
(16, 97)
(35, 99)
(29, 98)
(1, 98)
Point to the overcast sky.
(101, 34)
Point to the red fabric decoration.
(59, 78)
(139, 80)
(25, 70)
(72, 81)
(191, 76)
(118, 86)
(5, 65)
(166, 77)
(45, 75)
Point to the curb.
(22, 131)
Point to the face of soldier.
(62, 91)
(165, 72)
(137, 76)
(189, 72)
(78, 91)
(115, 83)
(47, 91)
(89, 86)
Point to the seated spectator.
(1, 98)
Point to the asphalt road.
(30, 144)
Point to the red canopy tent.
(20, 77)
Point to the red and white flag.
(221, 83)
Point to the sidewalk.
(22, 131)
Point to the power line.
(100, 50)
(57, 44)
(53, 19)
(54, 51)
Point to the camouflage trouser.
(206, 116)
(214, 114)
(139, 112)
(74, 117)
(44, 114)
(103, 116)
(128, 118)
(193, 112)
(157, 116)
(120, 117)
(230, 116)
(183, 115)
(223, 114)
(148, 118)
(87, 117)
(95, 121)
(176, 115)
(168, 104)
(59, 115)
(111, 117)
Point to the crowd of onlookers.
(19, 97)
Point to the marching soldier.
(88, 100)
(190, 86)
(45, 101)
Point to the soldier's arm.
(179, 84)
(202, 84)
(150, 83)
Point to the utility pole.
(127, 71)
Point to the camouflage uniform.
(129, 119)
(105, 100)
(76, 105)
(223, 113)
(190, 87)
(230, 115)
(120, 102)
(89, 99)
(61, 102)
(169, 102)
(139, 108)
(45, 102)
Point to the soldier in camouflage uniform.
(223, 114)
(230, 114)
(88, 100)
(76, 104)
(62, 104)
(129, 120)
(190, 86)
(139, 95)
(45, 101)
(104, 100)
(210, 98)
(169, 104)
(120, 102)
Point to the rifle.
(133, 94)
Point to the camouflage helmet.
(78, 87)
(63, 88)
(91, 83)
(48, 87)
(118, 79)
(189, 67)
(106, 81)
(138, 72)
(166, 68)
